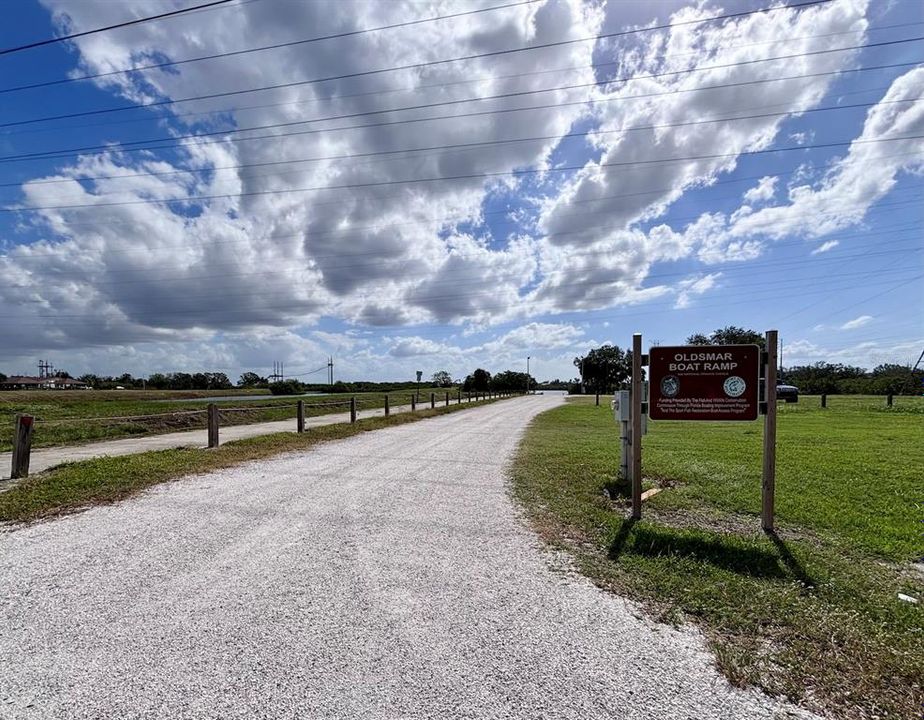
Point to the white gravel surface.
(388, 575)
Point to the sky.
(446, 193)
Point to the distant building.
(27, 382)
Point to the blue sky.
(674, 217)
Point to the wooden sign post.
(635, 439)
(706, 383)
(22, 446)
(768, 479)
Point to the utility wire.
(58, 154)
(415, 66)
(176, 140)
(339, 203)
(415, 295)
(443, 85)
(746, 293)
(586, 253)
(442, 149)
(276, 46)
(438, 178)
(136, 21)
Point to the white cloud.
(763, 191)
(825, 246)
(695, 286)
(851, 185)
(857, 322)
(867, 354)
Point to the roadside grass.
(67, 417)
(811, 612)
(71, 487)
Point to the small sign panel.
(419, 375)
(704, 382)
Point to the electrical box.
(622, 406)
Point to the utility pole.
(527, 374)
(330, 370)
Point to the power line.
(443, 178)
(136, 21)
(276, 46)
(441, 149)
(830, 257)
(443, 85)
(734, 273)
(747, 294)
(176, 140)
(335, 203)
(893, 231)
(416, 66)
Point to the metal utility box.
(622, 407)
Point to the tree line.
(609, 368)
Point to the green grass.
(68, 417)
(812, 613)
(73, 486)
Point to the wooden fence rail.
(24, 425)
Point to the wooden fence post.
(459, 399)
(22, 445)
(889, 400)
(447, 399)
(636, 463)
(598, 399)
(824, 400)
(300, 416)
(768, 480)
(352, 409)
(432, 400)
(386, 406)
(413, 403)
(213, 425)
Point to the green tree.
(158, 381)
(478, 381)
(731, 335)
(251, 379)
(605, 368)
(512, 381)
(441, 378)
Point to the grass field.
(70, 417)
(74, 486)
(812, 613)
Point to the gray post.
(22, 445)
(889, 400)
(432, 400)
(824, 400)
(447, 399)
(413, 403)
(213, 425)
(459, 399)
(352, 409)
(768, 480)
(300, 416)
(387, 411)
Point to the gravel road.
(388, 575)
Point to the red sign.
(703, 382)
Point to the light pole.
(527, 374)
